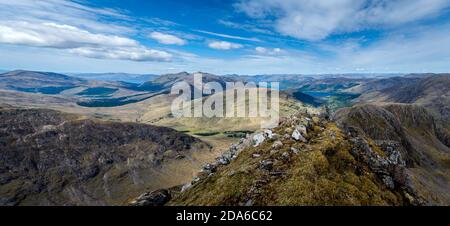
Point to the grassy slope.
(323, 173)
(159, 114)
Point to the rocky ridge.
(307, 160)
(406, 144)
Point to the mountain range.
(110, 139)
(114, 77)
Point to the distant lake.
(319, 94)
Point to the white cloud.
(268, 51)
(56, 36)
(76, 35)
(70, 26)
(246, 27)
(134, 53)
(229, 36)
(405, 51)
(167, 39)
(223, 45)
(419, 51)
(317, 19)
(400, 52)
(160, 22)
(66, 12)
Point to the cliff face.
(50, 158)
(414, 133)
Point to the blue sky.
(226, 36)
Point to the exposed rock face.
(386, 167)
(266, 164)
(156, 198)
(258, 139)
(277, 144)
(295, 150)
(405, 151)
(50, 158)
(302, 129)
(298, 136)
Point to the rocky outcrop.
(156, 198)
(390, 167)
(400, 143)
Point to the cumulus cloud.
(167, 39)
(77, 41)
(67, 25)
(56, 36)
(223, 45)
(268, 51)
(317, 19)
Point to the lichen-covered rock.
(266, 164)
(295, 150)
(186, 187)
(223, 161)
(156, 198)
(298, 136)
(277, 144)
(258, 139)
(210, 168)
(269, 134)
(302, 129)
(285, 156)
(256, 155)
